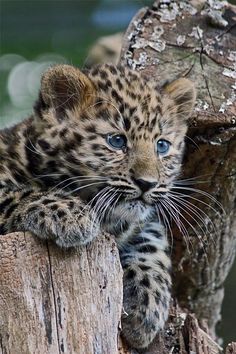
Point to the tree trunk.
(70, 302)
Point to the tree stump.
(70, 302)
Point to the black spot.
(73, 159)
(145, 301)
(95, 146)
(161, 265)
(119, 84)
(137, 120)
(42, 224)
(153, 123)
(17, 173)
(145, 281)
(131, 94)
(133, 307)
(132, 110)
(71, 204)
(130, 274)
(91, 128)
(103, 74)
(102, 86)
(125, 226)
(113, 70)
(54, 133)
(154, 233)
(147, 249)
(63, 132)
(138, 240)
(54, 207)
(44, 144)
(52, 166)
(127, 123)
(25, 194)
(32, 209)
(61, 213)
(99, 154)
(159, 279)
(157, 297)
(42, 214)
(5, 204)
(121, 108)
(92, 137)
(95, 71)
(116, 96)
(144, 267)
(10, 210)
(47, 201)
(2, 229)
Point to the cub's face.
(127, 136)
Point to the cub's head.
(121, 136)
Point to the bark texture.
(70, 302)
(53, 301)
(174, 39)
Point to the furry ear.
(183, 93)
(63, 86)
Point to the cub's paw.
(146, 309)
(68, 222)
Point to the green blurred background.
(34, 34)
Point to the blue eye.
(163, 146)
(117, 141)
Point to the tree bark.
(70, 302)
(54, 301)
(178, 39)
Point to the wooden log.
(54, 301)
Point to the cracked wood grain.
(54, 301)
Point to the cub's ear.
(183, 93)
(64, 86)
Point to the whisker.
(175, 216)
(198, 212)
(82, 187)
(166, 222)
(197, 200)
(76, 180)
(199, 191)
(189, 224)
(193, 218)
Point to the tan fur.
(62, 177)
(64, 82)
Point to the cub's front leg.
(65, 220)
(147, 285)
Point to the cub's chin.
(132, 211)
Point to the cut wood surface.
(70, 302)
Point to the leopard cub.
(101, 152)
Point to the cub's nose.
(144, 185)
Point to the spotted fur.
(61, 180)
